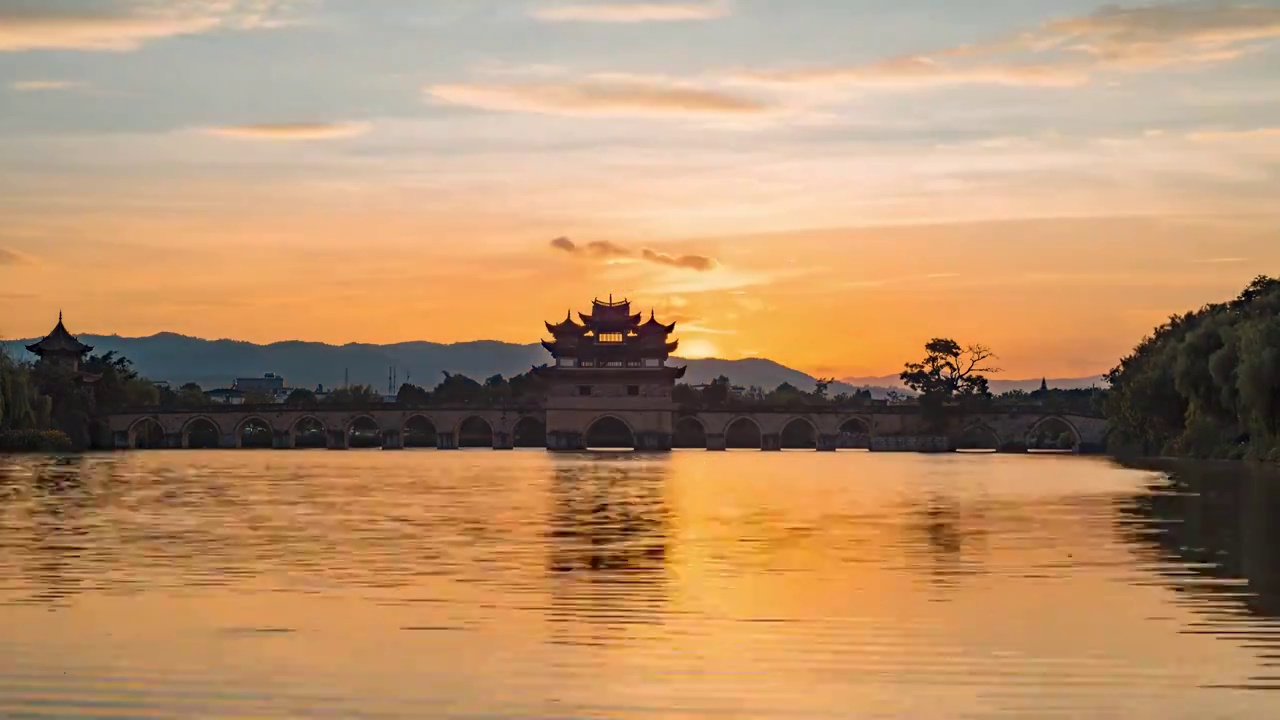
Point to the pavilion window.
(610, 338)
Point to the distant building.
(225, 396)
(61, 349)
(269, 384)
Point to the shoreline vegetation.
(1203, 385)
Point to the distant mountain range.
(217, 363)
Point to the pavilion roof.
(59, 341)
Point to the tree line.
(46, 408)
(1204, 383)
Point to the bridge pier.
(282, 440)
(828, 443)
(653, 441)
(564, 441)
(392, 440)
(504, 441)
(174, 441)
(336, 439)
(446, 441)
(120, 439)
(716, 442)
(229, 441)
(771, 442)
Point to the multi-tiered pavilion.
(610, 380)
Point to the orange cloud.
(1265, 133)
(924, 71)
(601, 98)
(633, 12)
(42, 85)
(291, 131)
(129, 24)
(604, 249)
(1066, 52)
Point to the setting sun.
(698, 349)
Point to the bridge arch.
(196, 433)
(855, 433)
(979, 436)
(146, 433)
(308, 431)
(419, 431)
(799, 434)
(529, 432)
(1053, 433)
(474, 432)
(364, 431)
(689, 432)
(742, 433)
(254, 431)
(609, 432)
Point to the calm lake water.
(699, 585)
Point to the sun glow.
(698, 349)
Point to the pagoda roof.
(653, 326)
(568, 327)
(59, 341)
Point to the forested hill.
(1205, 384)
(216, 363)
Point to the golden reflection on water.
(522, 584)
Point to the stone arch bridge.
(391, 427)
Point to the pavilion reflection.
(608, 541)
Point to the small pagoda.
(610, 364)
(60, 349)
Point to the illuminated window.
(613, 364)
(611, 338)
(586, 363)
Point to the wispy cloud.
(44, 85)
(1209, 136)
(605, 250)
(697, 328)
(291, 131)
(1222, 261)
(1066, 52)
(602, 97)
(919, 71)
(13, 257)
(632, 12)
(127, 24)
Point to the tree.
(1205, 383)
(356, 395)
(717, 393)
(458, 389)
(301, 397)
(820, 387)
(950, 371)
(412, 395)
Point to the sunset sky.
(826, 183)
